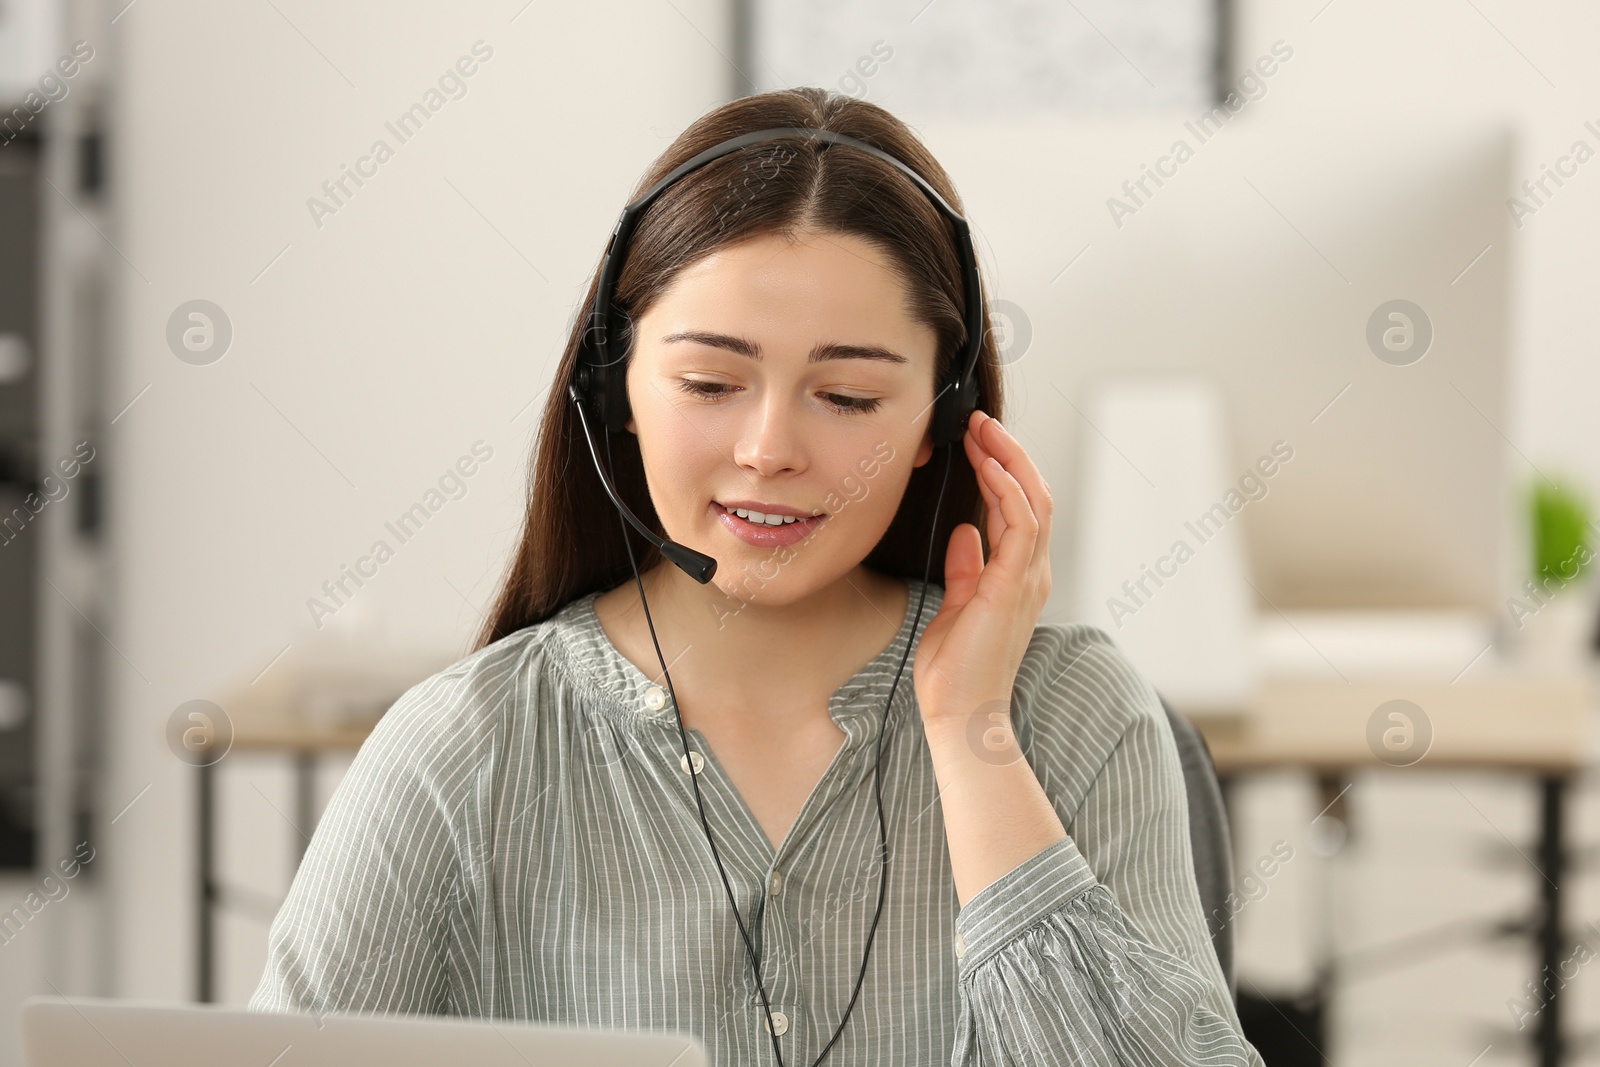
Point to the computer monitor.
(1258, 262)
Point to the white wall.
(422, 317)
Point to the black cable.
(883, 839)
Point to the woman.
(645, 801)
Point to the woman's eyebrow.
(824, 350)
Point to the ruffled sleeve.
(1095, 950)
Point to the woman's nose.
(769, 441)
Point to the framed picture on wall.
(926, 59)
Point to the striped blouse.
(518, 839)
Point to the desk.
(1507, 718)
(306, 713)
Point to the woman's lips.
(760, 535)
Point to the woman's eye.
(702, 388)
(859, 404)
(717, 390)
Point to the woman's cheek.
(872, 464)
(854, 488)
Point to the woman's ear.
(924, 450)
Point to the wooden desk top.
(318, 709)
(1538, 721)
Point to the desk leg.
(1552, 869)
(206, 887)
(305, 801)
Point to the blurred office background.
(1350, 321)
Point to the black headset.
(599, 381)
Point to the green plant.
(1560, 517)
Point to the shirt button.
(961, 947)
(655, 698)
(774, 884)
(779, 1025)
(699, 762)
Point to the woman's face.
(783, 372)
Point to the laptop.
(96, 1032)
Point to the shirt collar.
(631, 694)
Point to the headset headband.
(607, 391)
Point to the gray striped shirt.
(518, 839)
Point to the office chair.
(1208, 836)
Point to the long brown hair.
(571, 542)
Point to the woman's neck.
(727, 656)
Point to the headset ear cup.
(951, 412)
(618, 410)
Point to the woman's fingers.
(1015, 551)
(1009, 451)
(1030, 511)
(975, 456)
